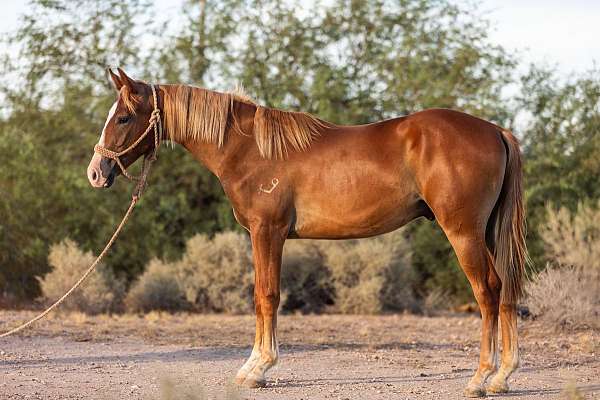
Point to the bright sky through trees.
(553, 32)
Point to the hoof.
(475, 392)
(254, 383)
(497, 387)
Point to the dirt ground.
(161, 356)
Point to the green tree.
(357, 61)
(561, 145)
(347, 61)
(53, 121)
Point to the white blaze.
(112, 111)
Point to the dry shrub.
(567, 294)
(216, 274)
(371, 275)
(305, 280)
(565, 297)
(435, 301)
(101, 292)
(573, 238)
(156, 289)
(365, 276)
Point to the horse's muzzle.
(101, 172)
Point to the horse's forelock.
(130, 100)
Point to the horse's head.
(121, 142)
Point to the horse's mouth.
(110, 180)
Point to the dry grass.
(573, 238)
(101, 292)
(437, 300)
(214, 275)
(567, 293)
(565, 297)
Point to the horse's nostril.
(94, 176)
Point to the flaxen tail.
(510, 250)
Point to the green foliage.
(561, 145)
(46, 142)
(305, 279)
(436, 265)
(360, 61)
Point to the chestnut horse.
(292, 175)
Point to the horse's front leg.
(267, 246)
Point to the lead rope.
(137, 193)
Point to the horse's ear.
(126, 81)
(116, 80)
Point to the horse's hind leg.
(510, 349)
(476, 261)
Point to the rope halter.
(154, 124)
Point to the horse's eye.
(124, 120)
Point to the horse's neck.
(220, 159)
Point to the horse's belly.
(349, 214)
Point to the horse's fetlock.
(270, 359)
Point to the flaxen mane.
(200, 114)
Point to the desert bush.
(567, 293)
(156, 289)
(216, 274)
(566, 297)
(573, 238)
(371, 275)
(305, 280)
(435, 301)
(101, 292)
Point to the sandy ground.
(159, 356)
